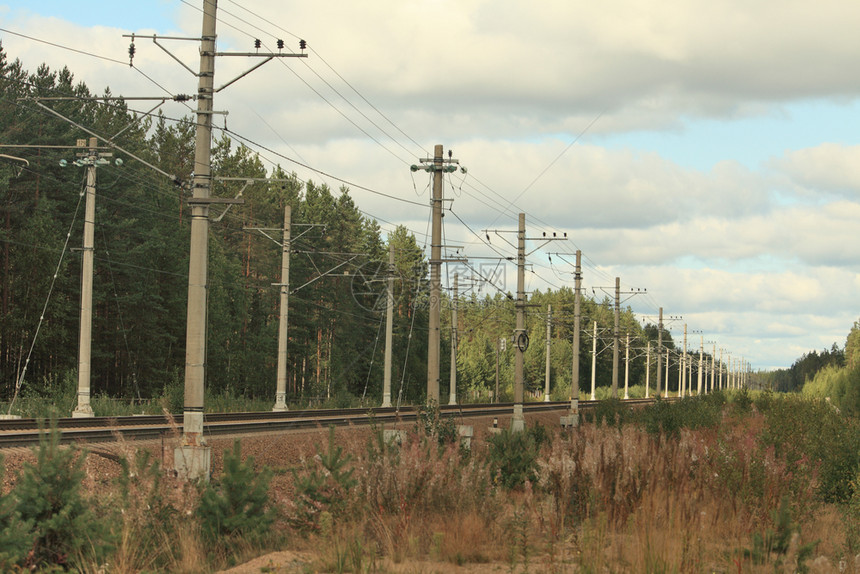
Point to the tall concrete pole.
(594, 361)
(667, 371)
(521, 337)
(498, 345)
(626, 366)
(548, 347)
(730, 372)
(389, 330)
(684, 365)
(577, 317)
(690, 376)
(648, 371)
(659, 351)
(194, 457)
(434, 336)
(83, 408)
(452, 395)
(713, 359)
(281, 390)
(721, 369)
(615, 337)
(701, 364)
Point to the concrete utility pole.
(660, 352)
(498, 348)
(577, 318)
(284, 287)
(713, 358)
(701, 364)
(194, 456)
(548, 348)
(626, 366)
(615, 335)
(452, 395)
(438, 166)
(281, 388)
(521, 338)
(667, 372)
(192, 459)
(721, 369)
(389, 329)
(434, 337)
(90, 159)
(648, 370)
(690, 376)
(684, 364)
(594, 361)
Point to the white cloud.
(766, 260)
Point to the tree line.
(336, 318)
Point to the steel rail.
(16, 433)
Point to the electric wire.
(20, 379)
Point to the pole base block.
(193, 462)
(83, 412)
(518, 421)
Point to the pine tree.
(237, 505)
(66, 529)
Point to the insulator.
(280, 44)
(257, 44)
(303, 44)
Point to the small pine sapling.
(237, 505)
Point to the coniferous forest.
(338, 260)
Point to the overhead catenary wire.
(596, 268)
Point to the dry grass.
(606, 499)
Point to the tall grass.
(731, 482)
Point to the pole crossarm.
(108, 141)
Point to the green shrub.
(513, 458)
(148, 517)
(237, 504)
(15, 533)
(741, 401)
(610, 411)
(670, 417)
(65, 527)
(431, 422)
(775, 544)
(323, 487)
(813, 433)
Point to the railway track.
(16, 433)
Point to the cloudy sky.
(708, 152)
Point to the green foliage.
(609, 411)
(692, 412)
(322, 487)
(851, 516)
(777, 543)
(15, 533)
(148, 517)
(512, 456)
(811, 433)
(741, 401)
(66, 529)
(237, 504)
(440, 428)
